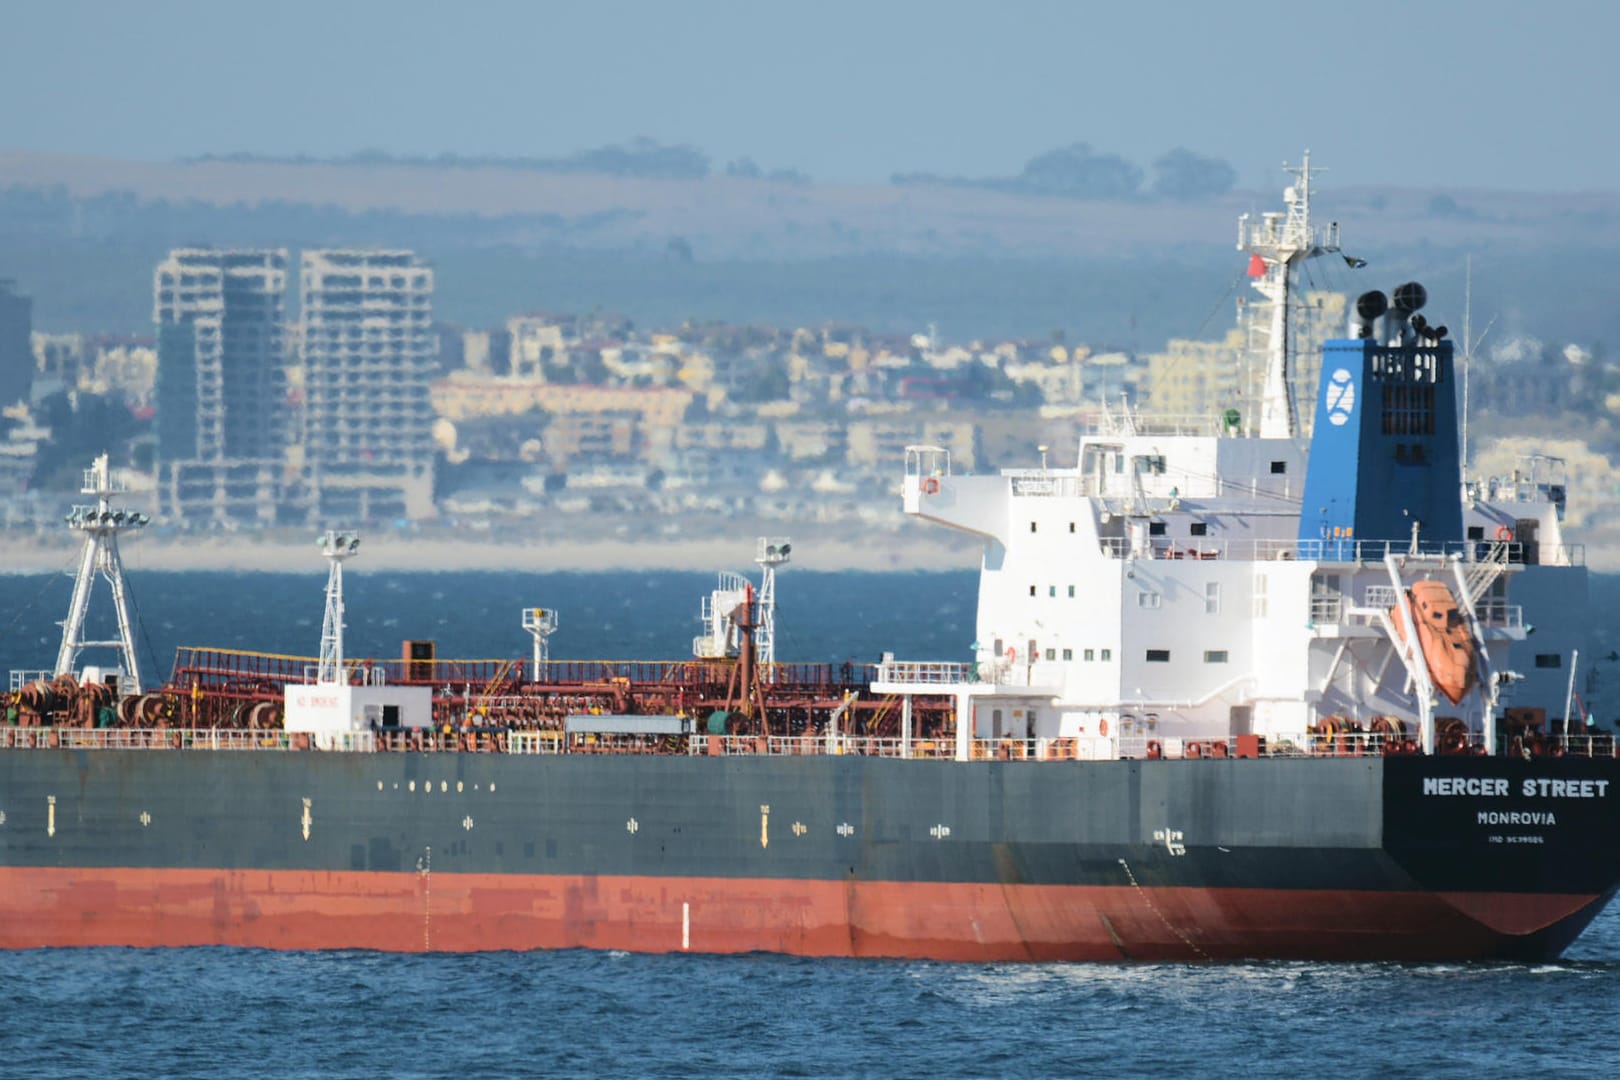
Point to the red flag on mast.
(1257, 266)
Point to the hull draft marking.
(765, 826)
(146, 818)
(306, 820)
(467, 823)
(800, 828)
(50, 815)
(940, 832)
(844, 827)
(686, 926)
(1171, 839)
(632, 826)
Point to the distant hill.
(80, 235)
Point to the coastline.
(603, 548)
(283, 552)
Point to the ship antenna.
(1469, 345)
(101, 525)
(1276, 244)
(336, 545)
(1468, 322)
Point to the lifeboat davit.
(1448, 648)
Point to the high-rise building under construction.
(369, 354)
(221, 382)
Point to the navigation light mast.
(101, 525)
(336, 545)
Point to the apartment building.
(368, 355)
(220, 384)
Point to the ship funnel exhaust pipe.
(1409, 298)
(1370, 306)
(1404, 303)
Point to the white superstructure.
(1161, 592)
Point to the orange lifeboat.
(1448, 649)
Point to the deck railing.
(492, 740)
(927, 673)
(1363, 552)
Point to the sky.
(1454, 93)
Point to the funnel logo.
(1340, 398)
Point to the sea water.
(240, 1012)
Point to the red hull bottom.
(297, 909)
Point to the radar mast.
(1276, 244)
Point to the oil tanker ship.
(1228, 699)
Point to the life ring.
(1012, 655)
(1504, 534)
(1102, 726)
(930, 486)
(1154, 750)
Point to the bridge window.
(1279, 468)
(1146, 599)
(1089, 654)
(1155, 528)
(1068, 654)
(1051, 654)
(1198, 528)
(1158, 656)
(1032, 527)
(1215, 656)
(1107, 655)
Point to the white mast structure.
(541, 623)
(101, 525)
(336, 545)
(773, 551)
(1276, 244)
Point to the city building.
(16, 343)
(535, 342)
(59, 360)
(369, 359)
(220, 386)
(1202, 380)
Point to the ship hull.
(287, 909)
(1339, 858)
